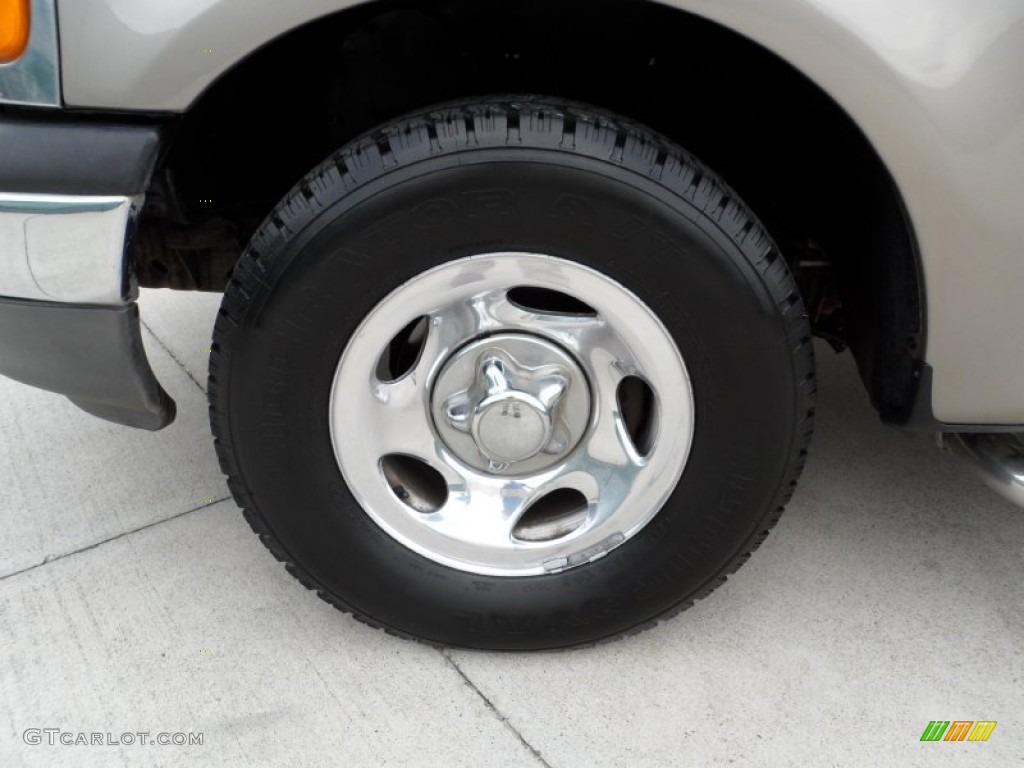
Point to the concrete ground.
(133, 597)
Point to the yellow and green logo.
(958, 730)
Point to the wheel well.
(787, 148)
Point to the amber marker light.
(15, 18)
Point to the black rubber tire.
(512, 174)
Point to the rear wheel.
(511, 374)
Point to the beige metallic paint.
(936, 85)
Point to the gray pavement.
(133, 597)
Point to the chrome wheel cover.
(506, 408)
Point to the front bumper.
(68, 249)
(68, 318)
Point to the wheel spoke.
(482, 511)
(609, 443)
(398, 413)
(577, 332)
(445, 332)
(398, 410)
(486, 510)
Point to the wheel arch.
(752, 116)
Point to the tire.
(517, 190)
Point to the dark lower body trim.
(93, 355)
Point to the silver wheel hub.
(511, 403)
(511, 414)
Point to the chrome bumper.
(66, 249)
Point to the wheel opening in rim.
(638, 407)
(546, 301)
(414, 483)
(403, 351)
(553, 516)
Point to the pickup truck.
(516, 348)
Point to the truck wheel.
(511, 374)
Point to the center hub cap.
(512, 403)
(511, 428)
